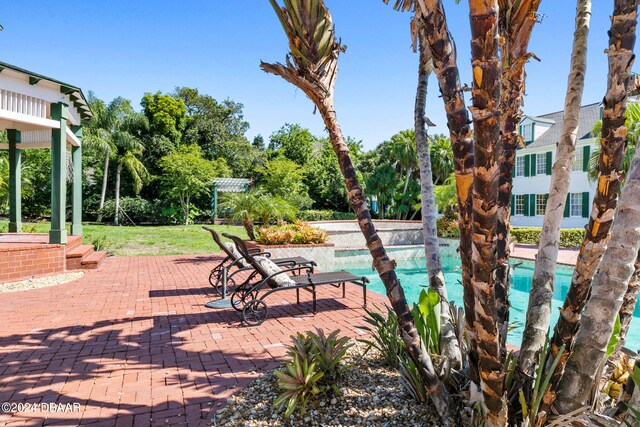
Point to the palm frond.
(136, 169)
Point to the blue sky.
(127, 48)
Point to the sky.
(127, 48)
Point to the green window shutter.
(585, 204)
(586, 152)
(520, 130)
(549, 160)
(533, 131)
(526, 204)
(526, 165)
(532, 205)
(513, 202)
(534, 164)
(567, 206)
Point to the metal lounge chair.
(221, 274)
(248, 298)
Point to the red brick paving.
(133, 344)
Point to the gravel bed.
(371, 395)
(40, 282)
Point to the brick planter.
(323, 254)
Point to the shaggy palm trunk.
(515, 56)
(116, 217)
(248, 226)
(486, 123)
(448, 339)
(607, 292)
(539, 310)
(610, 174)
(382, 263)
(629, 304)
(443, 57)
(103, 193)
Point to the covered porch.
(40, 112)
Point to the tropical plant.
(383, 335)
(296, 233)
(285, 178)
(441, 156)
(382, 183)
(312, 66)
(299, 381)
(446, 195)
(269, 208)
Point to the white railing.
(23, 104)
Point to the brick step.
(73, 242)
(76, 255)
(93, 260)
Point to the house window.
(520, 166)
(518, 209)
(579, 160)
(527, 132)
(576, 204)
(541, 164)
(540, 203)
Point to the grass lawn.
(146, 240)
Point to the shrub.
(297, 233)
(316, 362)
(325, 215)
(569, 237)
(448, 227)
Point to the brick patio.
(133, 344)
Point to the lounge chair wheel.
(214, 280)
(239, 297)
(255, 312)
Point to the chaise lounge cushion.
(282, 280)
(236, 254)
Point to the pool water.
(413, 277)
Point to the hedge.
(569, 237)
(325, 215)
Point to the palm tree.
(448, 339)
(620, 52)
(607, 291)
(486, 123)
(441, 158)
(539, 310)
(382, 182)
(443, 54)
(312, 66)
(128, 148)
(270, 207)
(517, 20)
(403, 149)
(244, 208)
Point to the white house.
(532, 171)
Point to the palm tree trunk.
(448, 339)
(515, 55)
(486, 123)
(629, 304)
(607, 292)
(443, 54)
(620, 53)
(116, 216)
(103, 194)
(248, 226)
(539, 310)
(382, 263)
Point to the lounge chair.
(248, 298)
(235, 259)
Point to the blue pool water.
(413, 276)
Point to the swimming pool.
(413, 276)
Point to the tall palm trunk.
(443, 55)
(607, 291)
(620, 53)
(116, 218)
(629, 304)
(103, 194)
(449, 341)
(382, 263)
(539, 310)
(486, 124)
(518, 25)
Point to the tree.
(403, 151)
(187, 174)
(449, 341)
(542, 284)
(166, 115)
(258, 142)
(284, 178)
(243, 207)
(115, 129)
(293, 142)
(382, 182)
(620, 52)
(441, 158)
(312, 66)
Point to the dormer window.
(527, 132)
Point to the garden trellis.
(226, 185)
